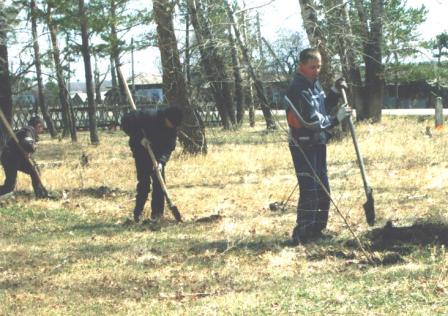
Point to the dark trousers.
(314, 203)
(145, 173)
(13, 163)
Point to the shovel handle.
(126, 88)
(367, 188)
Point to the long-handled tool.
(369, 208)
(172, 207)
(8, 129)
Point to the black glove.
(339, 84)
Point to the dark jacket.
(28, 139)
(310, 106)
(152, 122)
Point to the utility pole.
(260, 43)
(132, 63)
(251, 92)
(187, 48)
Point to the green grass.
(76, 255)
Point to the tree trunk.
(347, 55)
(113, 74)
(67, 116)
(239, 93)
(270, 123)
(88, 73)
(187, 50)
(97, 83)
(192, 134)
(213, 64)
(115, 51)
(40, 87)
(372, 53)
(5, 86)
(317, 39)
(250, 96)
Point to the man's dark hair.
(173, 114)
(34, 120)
(308, 54)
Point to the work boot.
(299, 235)
(6, 195)
(321, 220)
(137, 215)
(156, 216)
(41, 193)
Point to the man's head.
(172, 116)
(37, 123)
(310, 63)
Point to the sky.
(277, 15)
(286, 14)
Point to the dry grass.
(73, 255)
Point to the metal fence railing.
(106, 116)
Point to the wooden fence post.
(438, 112)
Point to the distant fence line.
(106, 116)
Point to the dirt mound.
(391, 237)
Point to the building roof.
(147, 78)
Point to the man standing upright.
(309, 124)
(158, 129)
(13, 159)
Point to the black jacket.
(150, 123)
(310, 105)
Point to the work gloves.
(343, 113)
(339, 84)
(145, 142)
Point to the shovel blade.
(369, 209)
(176, 213)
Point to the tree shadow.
(258, 244)
(102, 191)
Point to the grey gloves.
(343, 113)
(145, 142)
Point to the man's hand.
(339, 84)
(159, 167)
(343, 113)
(145, 142)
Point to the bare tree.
(371, 34)
(192, 133)
(239, 93)
(88, 73)
(339, 16)
(67, 117)
(40, 87)
(213, 64)
(317, 39)
(270, 123)
(5, 86)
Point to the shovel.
(172, 207)
(369, 208)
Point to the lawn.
(77, 254)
